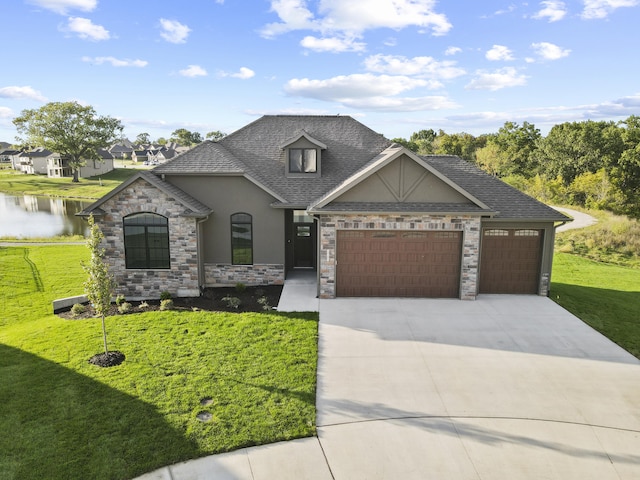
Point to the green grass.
(16, 183)
(71, 419)
(605, 296)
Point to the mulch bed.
(211, 300)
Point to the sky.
(398, 66)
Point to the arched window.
(146, 241)
(241, 239)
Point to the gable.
(403, 181)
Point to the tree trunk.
(76, 172)
(104, 336)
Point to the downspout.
(200, 261)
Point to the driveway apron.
(502, 387)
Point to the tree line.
(593, 164)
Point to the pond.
(29, 216)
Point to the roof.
(193, 207)
(353, 151)
(256, 151)
(509, 202)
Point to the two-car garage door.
(383, 263)
(379, 263)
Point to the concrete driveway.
(504, 387)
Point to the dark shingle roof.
(256, 150)
(205, 158)
(510, 203)
(193, 207)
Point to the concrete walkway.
(300, 292)
(503, 387)
(580, 220)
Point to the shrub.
(125, 307)
(231, 302)
(264, 301)
(240, 287)
(143, 306)
(165, 295)
(166, 304)
(120, 299)
(78, 309)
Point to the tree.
(143, 139)
(424, 139)
(215, 136)
(99, 285)
(516, 145)
(461, 144)
(573, 148)
(70, 129)
(185, 137)
(406, 143)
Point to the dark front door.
(303, 245)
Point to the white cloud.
(22, 92)
(63, 6)
(6, 112)
(174, 31)
(452, 50)
(116, 62)
(356, 17)
(499, 52)
(595, 9)
(549, 51)
(193, 71)
(243, 74)
(425, 67)
(332, 44)
(86, 29)
(368, 92)
(501, 78)
(352, 86)
(553, 10)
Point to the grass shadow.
(64, 425)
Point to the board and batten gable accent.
(467, 224)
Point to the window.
(241, 239)
(303, 160)
(146, 241)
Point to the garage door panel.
(403, 264)
(510, 261)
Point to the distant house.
(328, 194)
(162, 155)
(100, 166)
(139, 156)
(122, 151)
(11, 156)
(41, 161)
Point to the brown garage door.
(510, 260)
(398, 264)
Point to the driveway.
(504, 387)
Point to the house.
(10, 156)
(41, 161)
(325, 193)
(98, 166)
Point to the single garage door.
(398, 264)
(510, 260)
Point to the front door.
(303, 245)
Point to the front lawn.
(250, 376)
(605, 296)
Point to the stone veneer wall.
(181, 279)
(224, 274)
(470, 226)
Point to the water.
(28, 216)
